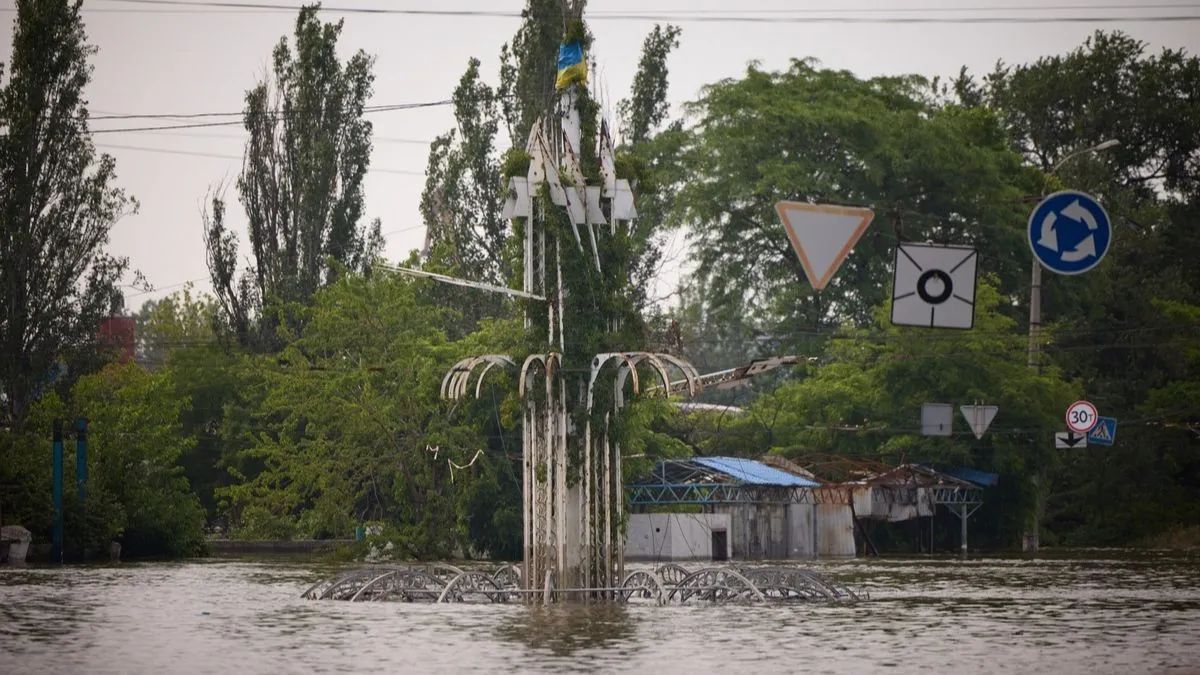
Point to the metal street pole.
(1035, 283)
(1030, 542)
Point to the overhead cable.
(239, 122)
(744, 17)
(191, 153)
(275, 112)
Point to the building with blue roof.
(772, 509)
(747, 509)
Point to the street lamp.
(1099, 147)
(1035, 286)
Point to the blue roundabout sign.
(1069, 232)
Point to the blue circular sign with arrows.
(1069, 232)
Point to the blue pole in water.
(81, 473)
(56, 541)
(81, 467)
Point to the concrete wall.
(755, 532)
(894, 504)
(251, 547)
(674, 536)
(770, 531)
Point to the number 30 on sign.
(1081, 417)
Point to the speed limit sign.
(1081, 417)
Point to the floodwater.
(1094, 611)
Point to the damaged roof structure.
(778, 509)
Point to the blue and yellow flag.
(571, 66)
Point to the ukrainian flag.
(571, 66)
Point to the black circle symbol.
(947, 287)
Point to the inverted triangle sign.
(822, 235)
(979, 417)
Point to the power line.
(743, 17)
(244, 137)
(884, 10)
(238, 122)
(191, 153)
(274, 112)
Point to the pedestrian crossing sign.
(1104, 433)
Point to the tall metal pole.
(963, 517)
(1030, 542)
(81, 474)
(56, 535)
(1035, 313)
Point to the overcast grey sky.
(161, 60)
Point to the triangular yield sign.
(979, 417)
(822, 235)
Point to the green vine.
(515, 163)
(589, 124)
(577, 31)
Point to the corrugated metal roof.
(752, 472)
(980, 478)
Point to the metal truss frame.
(957, 494)
(658, 494)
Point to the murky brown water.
(1090, 611)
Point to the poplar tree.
(300, 185)
(58, 203)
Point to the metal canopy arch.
(665, 584)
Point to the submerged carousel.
(572, 206)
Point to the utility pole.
(1029, 542)
(1035, 283)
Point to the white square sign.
(937, 419)
(934, 286)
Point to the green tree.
(346, 429)
(863, 402)
(301, 182)
(180, 319)
(462, 199)
(930, 172)
(58, 203)
(1109, 328)
(136, 491)
(528, 67)
(135, 444)
(1108, 88)
(647, 108)
(461, 207)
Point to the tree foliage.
(301, 181)
(646, 108)
(58, 203)
(462, 199)
(181, 319)
(350, 428)
(939, 173)
(1108, 88)
(1125, 329)
(136, 491)
(528, 67)
(863, 402)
